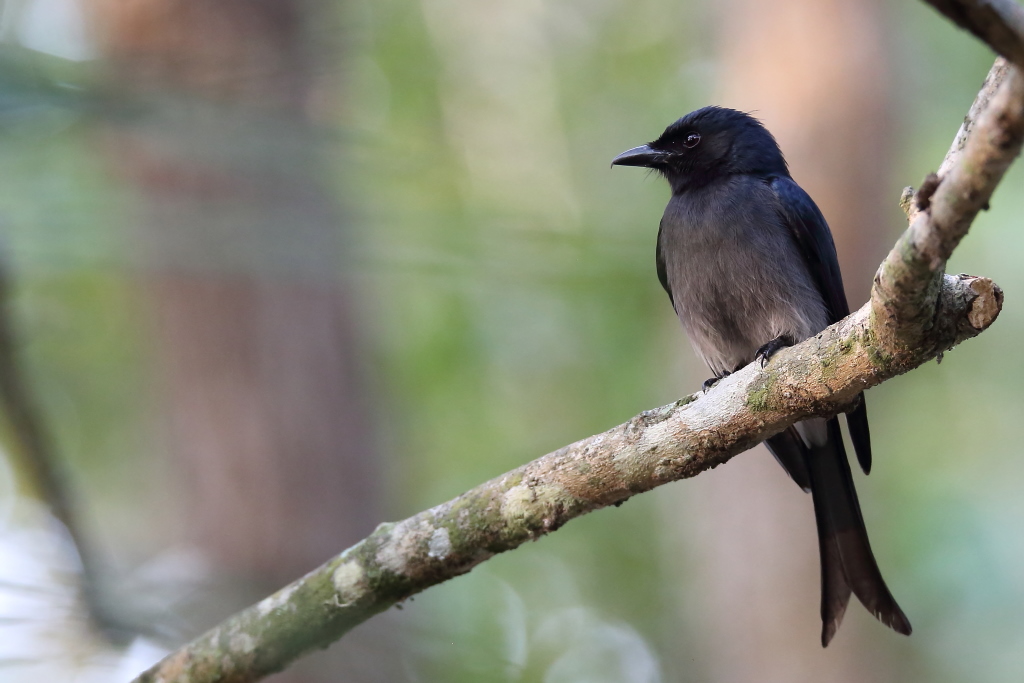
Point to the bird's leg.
(765, 353)
(708, 383)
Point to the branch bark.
(998, 23)
(915, 313)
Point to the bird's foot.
(765, 353)
(708, 383)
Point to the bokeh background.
(280, 270)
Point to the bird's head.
(707, 145)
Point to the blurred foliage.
(508, 292)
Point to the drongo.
(750, 267)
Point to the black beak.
(640, 156)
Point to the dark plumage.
(749, 265)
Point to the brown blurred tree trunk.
(241, 248)
(814, 72)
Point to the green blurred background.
(286, 269)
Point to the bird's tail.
(847, 563)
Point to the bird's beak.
(639, 156)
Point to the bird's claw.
(708, 383)
(765, 353)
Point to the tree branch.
(906, 285)
(998, 23)
(915, 313)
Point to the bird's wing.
(810, 231)
(659, 259)
(803, 218)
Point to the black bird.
(749, 265)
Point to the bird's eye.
(691, 140)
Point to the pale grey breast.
(737, 277)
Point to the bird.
(750, 267)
